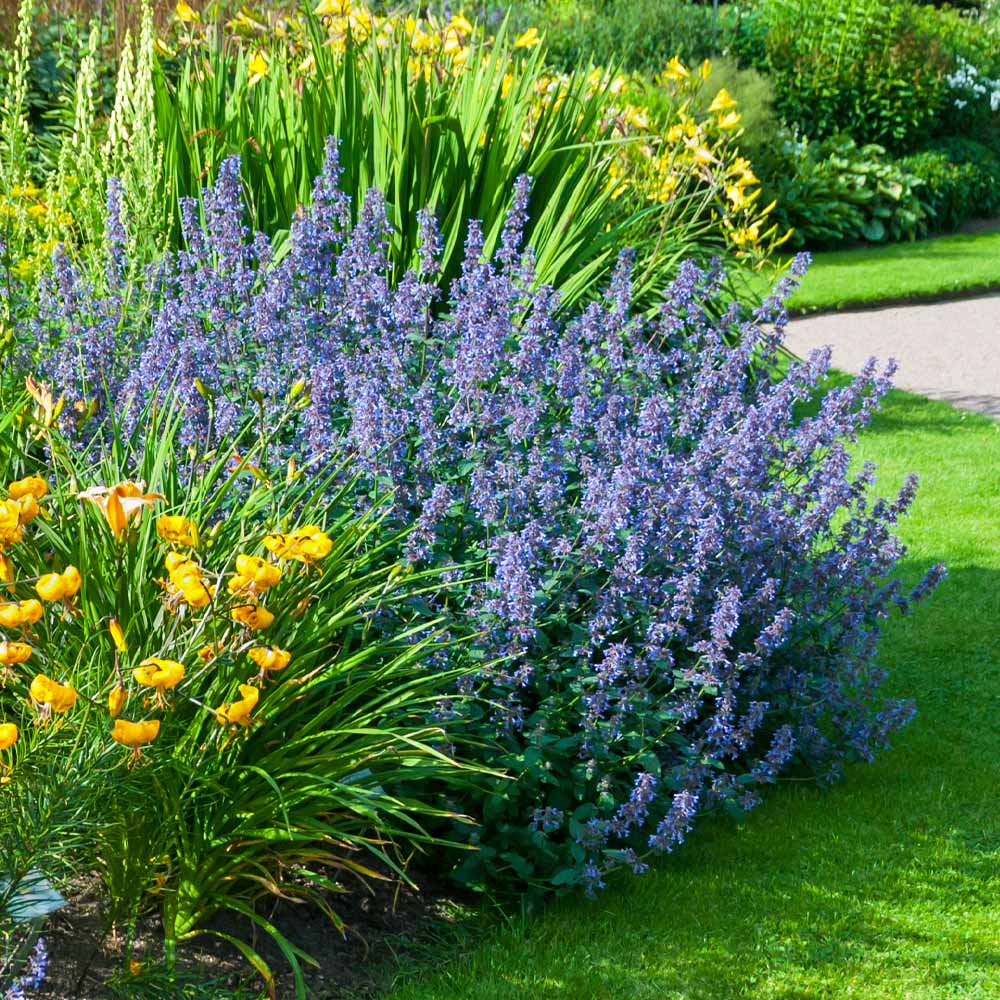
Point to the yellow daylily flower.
(186, 13)
(177, 530)
(120, 504)
(237, 713)
(158, 673)
(59, 586)
(676, 70)
(269, 657)
(135, 734)
(722, 101)
(258, 67)
(14, 653)
(51, 694)
(527, 39)
(253, 616)
(33, 486)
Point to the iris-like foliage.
(684, 575)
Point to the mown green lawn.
(938, 267)
(887, 886)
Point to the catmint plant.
(680, 575)
(33, 976)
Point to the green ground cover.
(884, 887)
(896, 272)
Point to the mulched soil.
(388, 923)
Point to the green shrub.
(754, 96)
(868, 68)
(835, 192)
(643, 34)
(960, 180)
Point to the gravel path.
(946, 350)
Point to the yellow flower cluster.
(694, 157)
(27, 209)
(192, 594)
(20, 508)
(433, 44)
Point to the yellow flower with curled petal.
(14, 653)
(186, 13)
(676, 70)
(527, 39)
(29, 509)
(721, 102)
(8, 735)
(116, 700)
(135, 734)
(59, 586)
(33, 486)
(16, 613)
(10, 522)
(269, 657)
(209, 652)
(177, 530)
(51, 694)
(253, 616)
(120, 504)
(306, 544)
(158, 673)
(255, 571)
(237, 713)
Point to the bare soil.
(387, 923)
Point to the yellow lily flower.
(177, 530)
(120, 504)
(135, 734)
(14, 653)
(186, 13)
(306, 544)
(527, 39)
(10, 522)
(721, 102)
(237, 713)
(16, 613)
(33, 486)
(676, 70)
(116, 700)
(253, 616)
(157, 673)
(59, 586)
(52, 695)
(258, 67)
(269, 657)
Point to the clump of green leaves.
(837, 192)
